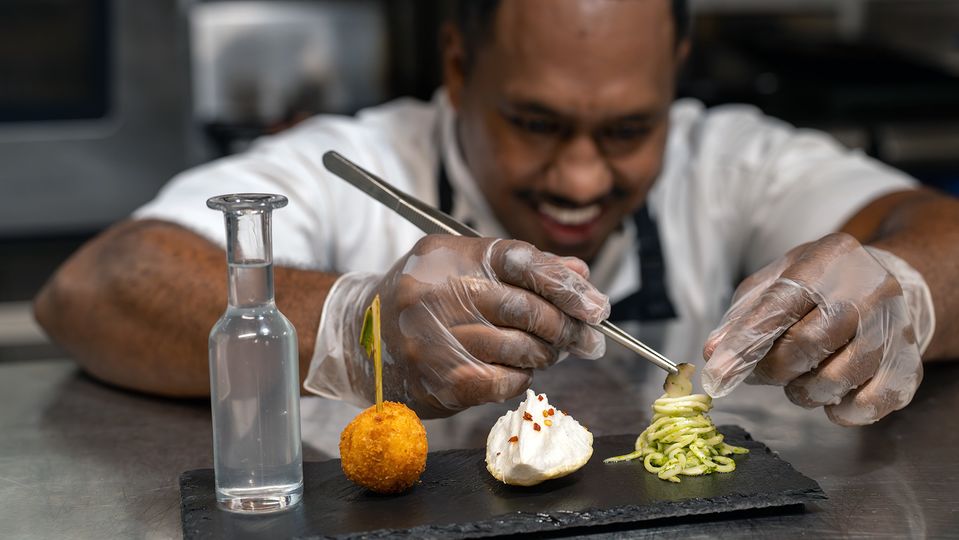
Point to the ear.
(454, 63)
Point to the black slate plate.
(458, 498)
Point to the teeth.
(570, 216)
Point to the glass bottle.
(254, 379)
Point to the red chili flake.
(551, 411)
(514, 438)
(527, 416)
(564, 413)
(548, 422)
(536, 426)
(540, 397)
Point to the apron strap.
(651, 302)
(445, 191)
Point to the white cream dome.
(536, 442)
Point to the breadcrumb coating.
(384, 452)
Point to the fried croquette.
(384, 452)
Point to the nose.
(579, 172)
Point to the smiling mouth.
(570, 217)
(569, 228)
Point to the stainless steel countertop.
(82, 460)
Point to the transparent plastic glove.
(464, 322)
(839, 325)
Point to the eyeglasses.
(547, 131)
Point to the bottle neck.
(249, 256)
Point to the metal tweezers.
(433, 221)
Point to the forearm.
(135, 306)
(922, 228)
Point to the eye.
(622, 138)
(536, 125)
(624, 131)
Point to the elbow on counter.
(114, 319)
(63, 309)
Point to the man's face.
(563, 115)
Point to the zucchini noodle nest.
(682, 440)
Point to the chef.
(557, 135)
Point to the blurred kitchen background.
(102, 101)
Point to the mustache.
(534, 197)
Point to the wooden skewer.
(377, 354)
(371, 342)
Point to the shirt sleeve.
(787, 186)
(287, 164)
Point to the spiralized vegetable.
(682, 440)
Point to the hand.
(464, 322)
(839, 325)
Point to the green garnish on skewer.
(371, 343)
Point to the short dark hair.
(475, 20)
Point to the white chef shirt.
(738, 189)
